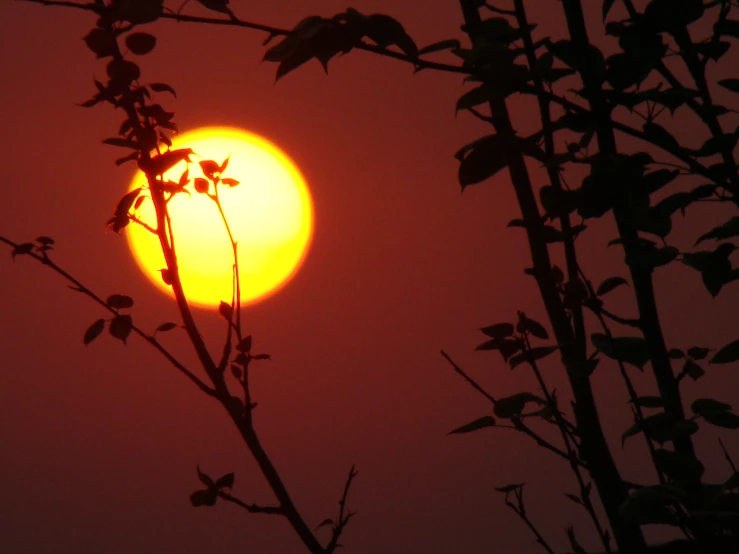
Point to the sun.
(270, 213)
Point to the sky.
(99, 443)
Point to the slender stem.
(343, 518)
(521, 512)
(251, 508)
(79, 287)
(278, 487)
(518, 425)
(584, 493)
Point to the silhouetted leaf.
(492, 344)
(244, 345)
(647, 503)
(439, 46)
(660, 136)
(481, 160)
(230, 182)
(24, 248)
(122, 72)
(225, 482)
(730, 84)
(480, 423)
(166, 276)
(513, 406)
(509, 488)
(661, 427)
(261, 357)
(727, 354)
(499, 330)
(141, 43)
(119, 301)
(693, 370)
(473, 98)
(697, 352)
(575, 499)
(727, 420)
(209, 167)
(671, 15)
(703, 405)
(386, 31)
(162, 87)
(236, 371)
(713, 49)
(138, 11)
(676, 353)
(324, 523)
(531, 355)
(201, 185)
(166, 327)
(609, 284)
(632, 350)
(220, 6)
(204, 478)
(101, 42)
(607, 5)
(716, 145)
(206, 497)
(126, 201)
(678, 466)
(164, 162)
(508, 347)
(226, 310)
(729, 229)
(121, 326)
(715, 267)
(131, 157)
(533, 327)
(727, 27)
(93, 331)
(655, 180)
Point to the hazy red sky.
(98, 444)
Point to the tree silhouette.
(585, 99)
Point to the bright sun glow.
(270, 214)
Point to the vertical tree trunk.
(593, 446)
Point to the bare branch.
(251, 508)
(469, 379)
(343, 518)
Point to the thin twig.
(343, 519)
(467, 378)
(79, 287)
(251, 508)
(518, 425)
(726, 455)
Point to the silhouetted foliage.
(635, 89)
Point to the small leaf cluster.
(324, 38)
(120, 326)
(209, 495)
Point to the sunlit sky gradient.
(98, 444)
